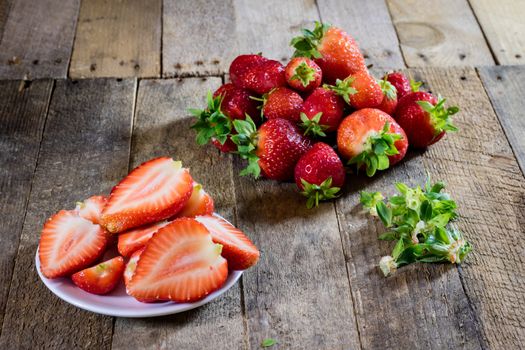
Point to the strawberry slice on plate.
(200, 203)
(91, 209)
(180, 263)
(69, 243)
(154, 191)
(130, 241)
(237, 248)
(129, 271)
(102, 278)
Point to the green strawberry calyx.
(415, 85)
(343, 88)
(440, 117)
(211, 122)
(312, 127)
(306, 45)
(316, 193)
(304, 73)
(388, 89)
(246, 140)
(377, 148)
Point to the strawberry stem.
(343, 88)
(306, 45)
(246, 141)
(316, 193)
(211, 123)
(304, 73)
(312, 126)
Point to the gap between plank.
(494, 57)
(397, 35)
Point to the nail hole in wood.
(24, 84)
(365, 56)
(463, 78)
(199, 63)
(137, 67)
(119, 80)
(121, 63)
(35, 62)
(462, 56)
(499, 77)
(517, 55)
(177, 66)
(93, 67)
(216, 62)
(74, 82)
(58, 61)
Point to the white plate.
(118, 303)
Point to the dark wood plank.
(84, 151)
(370, 23)
(37, 39)
(22, 116)
(4, 11)
(162, 127)
(502, 85)
(221, 30)
(439, 33)
(484, 177)
(298, 293)
(117, 39)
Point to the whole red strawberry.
(273, 149)
(256, 73)
(282, 103)
(360, 90)
(336, 52)
(372, 140)
(402, 84)
(303, 74)
(236, 102)
(389, 103)
(322, 111)
(319, 174)
(424, 118)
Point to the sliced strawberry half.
(92, 208)
(129, 271)
(101, 278)
(180, 263)
(200, 203)
(237, 248)
(69, 243)
(154, 191)
(130, 241)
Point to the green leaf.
(304, 73)
(385, 213)
(266, 343)
(440, 117)
(318, 192)
(312, 127)
(398, 248)
(425, 211)
(343, 88)
(307, 44)
(389, 236)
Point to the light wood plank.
(439, 33)
(162, 127)
(221, 30)
(502, 84)
(483, 176)
(370, 24)
(84, 151)
(117, 39)
(503, 25)
(298, 293)
(22, 116)
(37, 39)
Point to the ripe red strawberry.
(371, 139)
(256, 73)
(200, 203)
(336, 52)
(129, 271)
(400, 82)
(303, 74)
(69, 243)
(154, 191)
(319, 174)
(359, 90)
(237, 248)
(282, 103)
(273, 149)
(322, 111)
(389, 103)
(91, 208)
(227, 147)
(133, 240)
(101, 278)
(180, 263)
(424, 118)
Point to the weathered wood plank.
(84, 151)
(162, 127)
(117, 39)
(502, 84)
(439, 33)
(22, 117)
(298, 293)
(485, 179)
(503, 25)
(4, 11)
(370, 24)
(221, 30)
(37, 39)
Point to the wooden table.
(317, 285)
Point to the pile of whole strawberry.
(162, 223)
(286, 120)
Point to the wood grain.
(4, 11)
(22, 117)
(503, 25)
(221, 30)
(439, 33)
(84, 151)
(483, 176)
(117, 39)
(370, 24)
(298, 293)
(162, 127)
(501, 84)
(37, 39)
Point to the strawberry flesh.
(200, 203)
(91, 209)
(102, 278)
(135, 239)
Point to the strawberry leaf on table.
(439, 115)
(211, 123)
(316, 193)
(246, 141)
(306, 45)
(312, 127)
